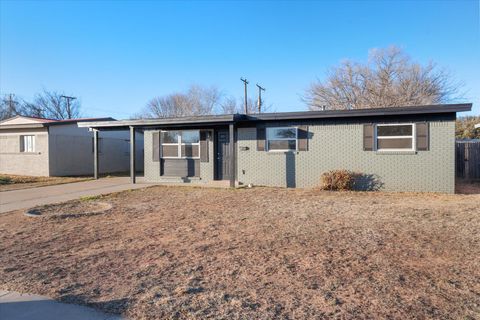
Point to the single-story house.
(48, 147)
(477, 126)
(399, 149)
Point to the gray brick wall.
(151, 170)
(336, 146)
(207, 168)
(341, 147)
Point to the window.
(27, 143)
(395, 137)
(183, 144)
(282, 139)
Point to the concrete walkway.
(28, 198)
(17, 306)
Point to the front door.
(223, 155)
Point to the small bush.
(5, 180)
(338, 180)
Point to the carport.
(213, 123)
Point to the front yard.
(182, 252)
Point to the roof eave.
(201, 120)
(434, 109)
(23, 126)
(78, 121)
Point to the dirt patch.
(180, 252)
(70, 210)
(14, 182)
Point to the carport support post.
(95, 153)
(132, 155)
(231, 128)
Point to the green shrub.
(5, 180)
(338, 180)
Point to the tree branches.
(389, 79)
(48, 104)
(196, 100)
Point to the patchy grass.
(261, 253)
(14, 182)
(90, 198)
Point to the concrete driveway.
(28, 198)
(17, 306)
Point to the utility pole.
(245, 82)
(10, 102)
(260, 89)
(68, 99)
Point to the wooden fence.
(467, 157)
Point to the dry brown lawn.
(261, 253)
(14, 182)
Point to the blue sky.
(117, 55)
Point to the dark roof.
(329, 114)
(207, 120)
(430, 109)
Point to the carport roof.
(36, 122)
(277, 116)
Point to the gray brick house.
(396, 149)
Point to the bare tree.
(389, 79)
(11, 106)
(195, 101)
(51, 104)
(230, 105)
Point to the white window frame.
(180, 144)
(413, 137)
(27, 147)
(270, 129)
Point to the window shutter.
(422, 136)
(261, 138)
(22, 144)
(156, 146)
(302, 138)
(204, 138)
(368, 137)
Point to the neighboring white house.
(477, 126)
(48, 147)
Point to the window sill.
(386, 153)
(282, 152)
(184, 158)
(26, 153)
